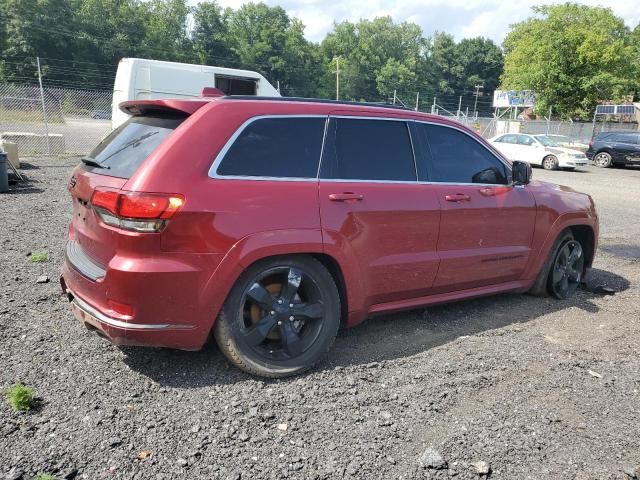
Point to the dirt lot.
(537, 388)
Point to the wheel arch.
(265, 245)
(586, 236)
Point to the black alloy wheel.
(567, 269)
(280, 318)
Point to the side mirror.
(521, 173)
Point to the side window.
(510, 139)
(276, 147)
(360, 149)
(454, 157)
(525, 140)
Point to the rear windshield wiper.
(92, 163)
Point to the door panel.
(371, 202)
(392, 231)
(485, 239)
(486, 225)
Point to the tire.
(602, 160)
(550, 162)
(547, 281)
(293, 298)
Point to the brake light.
(591, 143)
(141, 212)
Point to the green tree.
(210, 35)
(369, 51)
(572, 56)
(32, 28)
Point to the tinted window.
(625, 138)
(276, 147)
(509, 139)
(358, 149)
(124, 149)
(449, 155)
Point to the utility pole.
(44, 108)
(475, 105)
(337, 59)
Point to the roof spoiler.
(208, 92)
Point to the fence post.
(459, 108)
(44, 108)
(417, 100)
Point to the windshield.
(123, 150)
(547, 141)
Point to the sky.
(461, 18)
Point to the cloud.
(461, 18)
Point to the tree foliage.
(572, 56)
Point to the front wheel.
(563, 270)
(280, 318)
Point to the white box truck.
(143, 79)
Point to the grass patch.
(20, 398)
(44, 476)
(39, 257)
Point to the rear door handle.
(457, 197)
(342, 197)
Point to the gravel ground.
(536, 388)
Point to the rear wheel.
(602, 160)
(550, 162)
(280, 318)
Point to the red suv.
(269, 222)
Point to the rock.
(114, 442)
(42, 279)
(243, 437)
(631, 471)
(594, 374)
(481, 468)
(195, 429)
(283, 427)
(391, 460)
(182, 462)
(14, 474)
(431, 458)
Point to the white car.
(538, 150)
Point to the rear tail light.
(139, 212)
(590, 143)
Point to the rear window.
(123, 150)
(287, 147)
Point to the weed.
(39, 257)
(20, 397)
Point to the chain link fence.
(53, 121)
(65, 121)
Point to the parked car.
(538, 150)
(101, 115)
(270, 222)
(568, 142)
(615, 148)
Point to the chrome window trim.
(213, 170)
(218, 159)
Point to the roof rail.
(319, 100)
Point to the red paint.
(398, 245)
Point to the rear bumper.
(168, 307)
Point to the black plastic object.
(4, 172)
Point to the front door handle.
(342, 197)
(457, 197)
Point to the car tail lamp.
(138, 212)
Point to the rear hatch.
(96, 188)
